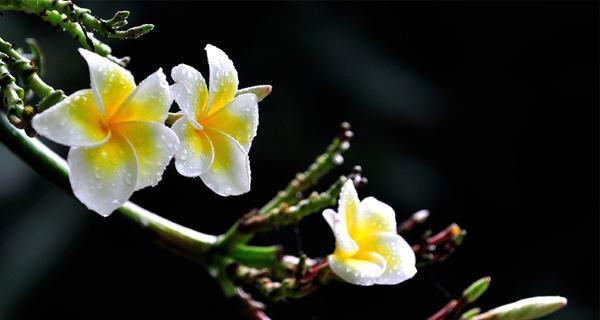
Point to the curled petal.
(195, 153)
(238, 119)
(344, 245)
(229, 173)
(75, 121)
(189, 91)
(223, 81)
(373, 216)
(111, 83)
(154, 146)
(103, 177)
(399, 256)
(363, 269)
(150, 101)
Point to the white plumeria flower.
(119, 143)
(218, 125)
(368, 249)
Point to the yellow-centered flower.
(218, 125)
(368, 250)
(119, 143)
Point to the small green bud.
(259, 91)
(50, 100)
(526, 309)
(147, 27)
(469, 314)
(135, 32)
(121, 15)
(476, 289)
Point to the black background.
(484, 113)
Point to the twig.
(453, 309)
(322, 165)
(439, 247)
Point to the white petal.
(189, 91)
(75, 121)
(196, 151)
(399, 256)
(223, 81)
(150, 101)
(111, 83)
(154, 145)
(344, 245)
(238, 119)
(363, 272)
(229, 173)
(373, 216)
(103, 177)
(348, 203)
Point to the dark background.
(484, 113)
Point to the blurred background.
(484, 113)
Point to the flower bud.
(475, 290)
(526, 309)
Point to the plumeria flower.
(368, 250)
(218, 125)
(118, 141)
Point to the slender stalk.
(322, 165)
(287, 207)
(11, 93)
(111, 28)
(85, 39)
(26, 71)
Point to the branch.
(12, 95)
(111, 28)
(439, 247)
(453, 310)
(286, 207)
(27, 71)
(185, 241)
(322, 165)
(80, 23)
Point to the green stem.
(258, 257)
(85, 39)
(321, 166)
(109, 28)
(27, 72)
(11, 93)
(244, 230)
(282, 209)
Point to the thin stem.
(86, 40)
(322, 165)
(248, 225)
(27, 71)
(11, 93)
(291, 195)
(80, 23)
(112, 28)
(249, 255)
